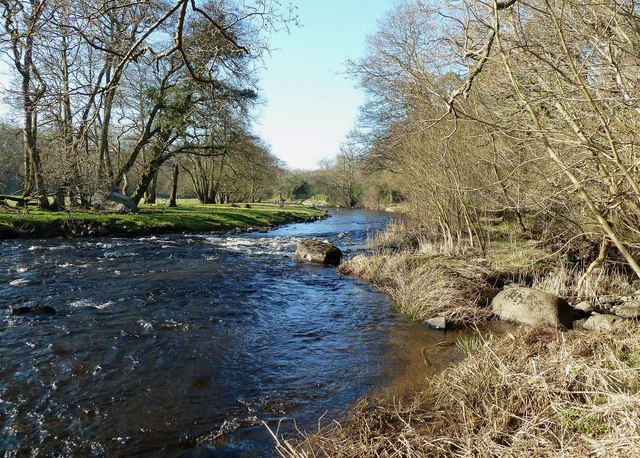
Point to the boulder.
(584, 306)
(601, 322)
(319, 252)
(579, 324)
(33, 310)
(609, 301)
(531, 306)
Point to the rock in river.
(33, 310)
(319, 252)
(531, 306)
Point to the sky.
(311, 104)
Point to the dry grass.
(563, 281)
(425, 287)
(427, 279)
(540, 393)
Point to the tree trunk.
(150, 195)
(59, 200)
(125, 185)
(150, 173)
(27, 184)
(36, 161)
(174, 186)
(104, 158)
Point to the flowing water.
(191, 345)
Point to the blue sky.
(310, 104)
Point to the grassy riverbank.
(535, 391)
(189, 216)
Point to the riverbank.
(189, 216)
(534, 391)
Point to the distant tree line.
(344, 181)
(116, 95)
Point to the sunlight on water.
(188, 344)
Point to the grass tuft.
(424, 287)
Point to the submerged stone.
(439, 322)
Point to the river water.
(192, 345)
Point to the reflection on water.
(188, 344)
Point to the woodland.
(114, 97)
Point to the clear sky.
(310, 104)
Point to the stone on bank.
(601, 322)
(532, 307)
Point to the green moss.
(578, 420)
(631, 359)
(189, 216)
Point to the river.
(191, 345)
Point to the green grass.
(518, 254)
(189, 216)
(582, 420)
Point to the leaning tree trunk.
(149, 173)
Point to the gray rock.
(609, 300)
(630, 310)
(439, 322)
(601, 322)
(531, 306)
(584, 306)
(579, 324)
(319, 252)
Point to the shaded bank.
(188, 217)
(535, 391)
